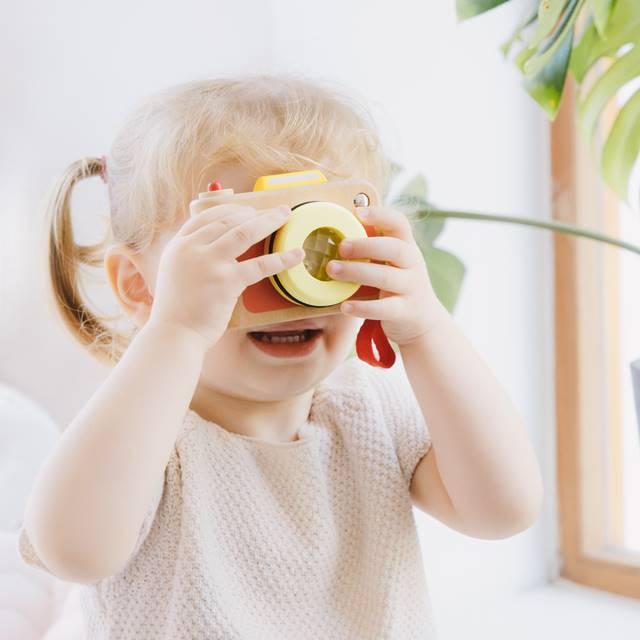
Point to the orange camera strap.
(371, 333)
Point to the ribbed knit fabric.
(257, 540)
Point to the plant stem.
(558, 227)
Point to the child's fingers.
(386, 249)
(388, 308)
(255, 269)
(382, 276)
(212, 230)
(387, 220)
(237, 239)
(207, 216)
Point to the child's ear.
(125, 275)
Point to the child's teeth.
(280, 339)
(275, 339)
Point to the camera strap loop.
(371, 333)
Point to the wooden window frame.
(588, 460)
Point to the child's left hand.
(407, 306)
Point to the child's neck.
(276, 420)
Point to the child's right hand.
(199, 279)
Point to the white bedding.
(33, 605)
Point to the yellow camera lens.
(319, 247)
(317, 227)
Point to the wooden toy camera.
(323, 214)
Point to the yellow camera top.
(284, 180)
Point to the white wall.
(449, 106)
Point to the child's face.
(263, 371)
(263, 365)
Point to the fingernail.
(345, 247)
(346, 307)
(334, 267)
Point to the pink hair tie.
(103, 170)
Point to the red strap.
(371, 333)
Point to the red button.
(214, 186)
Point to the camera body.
(323, 214)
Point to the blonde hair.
(165, 151)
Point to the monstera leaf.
(549, 44)
(446, 271)
(469, 8)
(616, 41)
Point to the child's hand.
(407, 306)
(199, 279)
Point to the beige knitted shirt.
(257, 540)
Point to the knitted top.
(257, 540)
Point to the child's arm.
(88, 502)
(90, 498)
(481, 475)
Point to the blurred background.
(449, 107)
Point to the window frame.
(589, 475)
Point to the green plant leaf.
(535, 55)
(547, 85)
(469, 8)
(622, 147)
(625, 16)
(395, 168)
(410, 200)
(592, 47)
(601, 10)
(586, 52)
(547, 56)
(548, 13)
(518, 34)
(414, 191)
(426, 228)
(556, 40)
(523, 57)
(625, 69)
(446, 273)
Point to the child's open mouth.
(286, 343)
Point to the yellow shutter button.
(317, 227)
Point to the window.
(597, 333)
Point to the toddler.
(259, 484)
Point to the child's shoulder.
(356, 384)
(380, 400)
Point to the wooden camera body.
(323, 214)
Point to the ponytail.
(65, 259)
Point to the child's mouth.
(286, 344)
